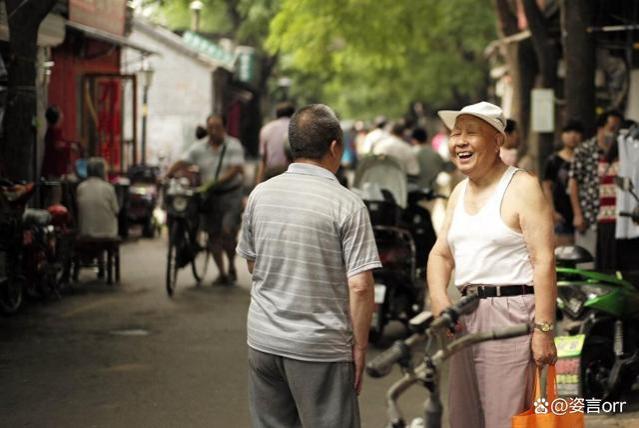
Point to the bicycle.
(427, 329)
(188, 244)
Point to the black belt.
(484, 291)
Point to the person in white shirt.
(497, 242)
(97, 203)
(373, 137)
(399, 149)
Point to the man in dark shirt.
(555, 182)
(55, 163)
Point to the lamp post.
(146, 74)
(196, 9)
(284, 85)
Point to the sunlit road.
(128, 356)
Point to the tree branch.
(506, 19)
(233, 11)
(542, 42)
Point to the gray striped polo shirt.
(307, 235)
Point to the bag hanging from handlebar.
(543, 414)
(208, 199)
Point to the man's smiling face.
(473, 144)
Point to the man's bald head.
(312, 130)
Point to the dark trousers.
(288, 393)
(615, 254)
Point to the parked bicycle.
(433, 333)
(188, 244)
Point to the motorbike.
(13, 200)
(404, 235)
(432, 333)
(31, 247)
(187, 243)
(143, 198)
(599, 354)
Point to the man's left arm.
(246, 245)
(230, 174)
(535, 217)
(360, 258)
(236, 163)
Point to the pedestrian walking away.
(396, 147)
(498, 237)
(310, 247)
(274, 156)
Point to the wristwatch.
(544, 327)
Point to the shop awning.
(110, 38)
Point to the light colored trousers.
(493, 381)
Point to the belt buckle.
(472, 290)
(498, 290)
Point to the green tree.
(246, 22)
(374, 56)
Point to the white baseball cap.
(487, 112)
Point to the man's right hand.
(359, 360)
(579, 222)
(437, 305)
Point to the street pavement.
(129, 356)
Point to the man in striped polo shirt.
(309, 244)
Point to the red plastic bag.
(553, 417)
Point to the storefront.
(51, 33)
(87, 85)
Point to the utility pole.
(24, 18)
(579, 54)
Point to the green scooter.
(599, 355)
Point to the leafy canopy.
(377, 56)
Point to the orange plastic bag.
(557, 416)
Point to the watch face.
(545, 327)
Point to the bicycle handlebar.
(449, 316)
(381, 365)
(425, 369)
(483, 336)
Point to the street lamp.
(284, 85)
(146, 75)
(196, 9)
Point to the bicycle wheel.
(171, 259)
(10, 295)
(200, 263)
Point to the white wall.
(180, 96)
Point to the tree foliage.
(363, 56)
(377, 56)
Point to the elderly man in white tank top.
(498, 239)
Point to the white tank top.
(485, 249)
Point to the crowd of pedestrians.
(579, 180)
